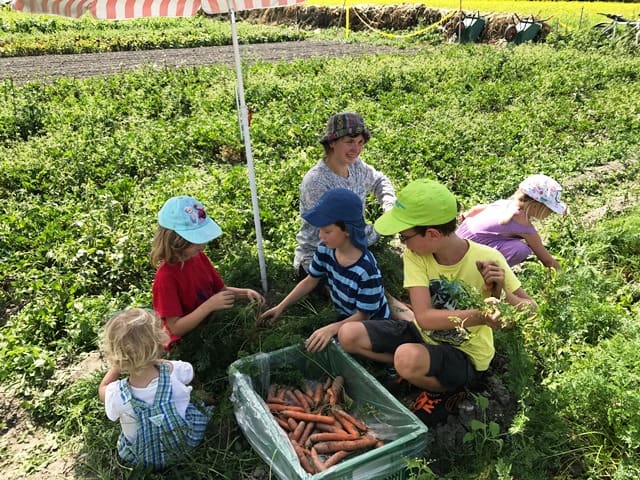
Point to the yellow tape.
(390, 35)
(568, 27)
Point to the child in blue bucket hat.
(343, 259)
(344, 138)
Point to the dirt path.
(47, 67)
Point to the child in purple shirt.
(506, 224)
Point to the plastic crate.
(405, 436)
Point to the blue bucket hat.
(340, 204)
(186, 216)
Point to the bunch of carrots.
(320, 429)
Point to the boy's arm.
(111, 376)
(519, 298)
(494, 276)
(430, 318)
(304, 287)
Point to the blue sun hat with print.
(340, 204)
(187, 217)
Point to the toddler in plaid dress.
(160, 422)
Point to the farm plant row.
(86, 164)
(45, 34)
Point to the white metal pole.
(244, 128)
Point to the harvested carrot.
(278, 407)
(297, 433)
(358, 424)
(302, 400)
(308, 389)
(336, 428)
(315, 460)
(337, 387)
(280, 394)
(290, 396)
(349, 445)
(308, 417)
(283, 424)
(317, 394)
(302, 456)
(292, 424)
(335, 458)
(327, 384)
(307, 432)
(332, 436)
(308, 398)
(330, 397)
(347, 425)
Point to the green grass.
(85, 166)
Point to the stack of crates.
(404, 435)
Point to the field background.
(85, 164)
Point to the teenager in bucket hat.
(343, 259)
(343, 140)
(187, 288)
(507, 224)
(448, 346)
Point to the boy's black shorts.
(451, 366)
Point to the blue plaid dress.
(163, 436)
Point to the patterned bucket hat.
(343, 124)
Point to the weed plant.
(85, 166)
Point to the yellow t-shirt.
(420, 270)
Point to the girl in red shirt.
(187, 288)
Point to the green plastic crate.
(405, 436)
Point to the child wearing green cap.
(430, 352)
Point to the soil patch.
(49, 67)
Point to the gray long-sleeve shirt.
(362, 180)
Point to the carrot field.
(85, 164)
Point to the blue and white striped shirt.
(357, 287)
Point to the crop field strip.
(85, 162)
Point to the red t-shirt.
(178, 289)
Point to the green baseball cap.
(423, 202)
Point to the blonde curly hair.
(133, 339)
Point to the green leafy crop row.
(38, 35)
(85, 166)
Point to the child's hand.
(254, 296)
(221, 300)
(493, 276)
(492, 316)
(319, 339)
(270, 316)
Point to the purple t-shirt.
(485, 228)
